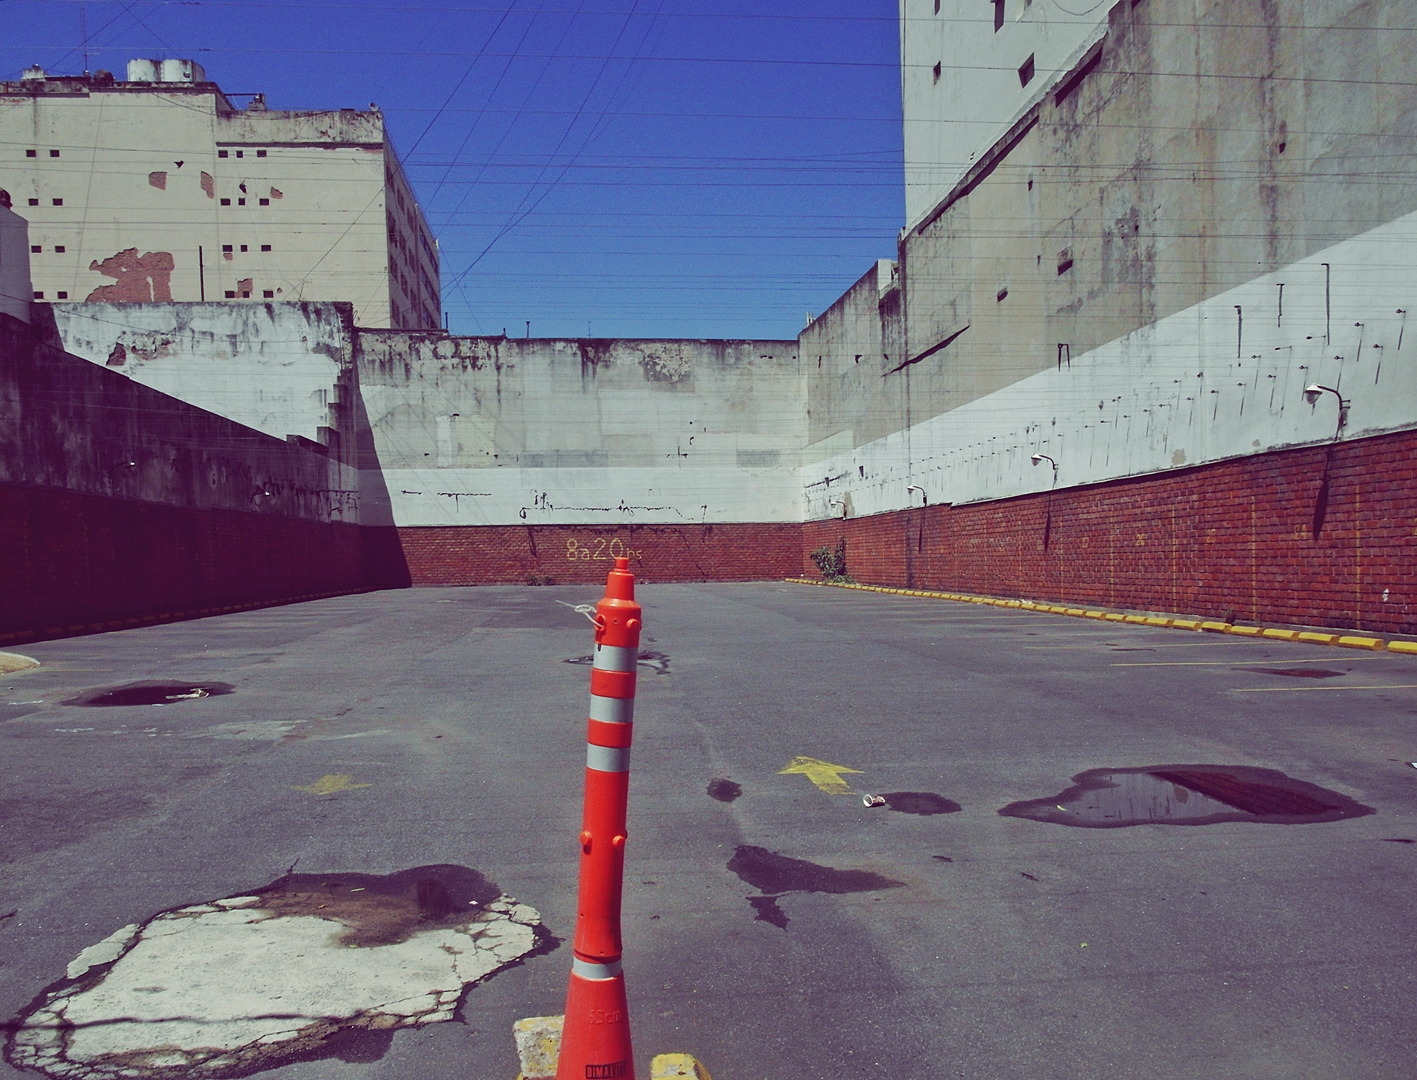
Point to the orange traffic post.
(595, 1044)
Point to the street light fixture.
(1312, 393)
(1044, 457)
(924, 499)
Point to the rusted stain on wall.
(209, 185)
(158, 180)
(137, 280)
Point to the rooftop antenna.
(84, 33)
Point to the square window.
(54, 153)
(240, 202)
(225, 202)
(265, 202)
(231, 294)
(243, 247)
(240, 153)
(1025, 73)
(226, 248)
(265, 247)
(39, 295)
(937, 72)
(31, 153)
(260, 153)
(221, 153)
(58, 202)
(35, 249)
(269, 294)
(63, 295)
(34, 202)
(59, 249)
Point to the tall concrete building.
(158, 188)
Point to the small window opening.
(58, 202)
(265, 202)
(998, 15)
(268, 294)
(231, 294)
(226, 247)
(937, 72)
(999, 296)
(35, 249)
(260, 153)
(62, 295)
(240, 202)
(59, 249)
(937, 7)
(54, 153)
(222, 154)
(245, 294)
(241, 153)
(243, 247)
(31, 153)
(1065, 260)
(34, 202)
(39, 296)
(265, 247)
(225, 202)
(1025, 73)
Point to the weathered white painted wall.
(496, 431)
(15, 285)
(950, 121)
(1202, 385)
(278, 368)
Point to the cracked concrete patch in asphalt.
(250, 982)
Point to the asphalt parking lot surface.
(1206, 866)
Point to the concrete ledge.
(1308, 637)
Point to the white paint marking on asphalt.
(225, 988)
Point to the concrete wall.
(163, 192)
(120, 503)
(15, 288)
(497, 431)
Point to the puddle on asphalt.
(1188, 795)
(311, 966)
(151, 693)
(920, 802)
(724, 790)
(775, 875)
(649, 657)
(1295, 672)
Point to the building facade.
(158, 188)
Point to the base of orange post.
(595, 1044)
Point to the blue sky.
(626, 168)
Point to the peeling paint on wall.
(209, 185)
(158, 180)
(138, 280)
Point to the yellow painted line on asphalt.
(1228, 663)
(1311, 689)
(824, 774)
(331, 784)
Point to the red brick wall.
(69, 560)
(503, 554)
(1237, 537)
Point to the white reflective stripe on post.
(586, 970)
(615, 658)
(607, 758)
(612, 710)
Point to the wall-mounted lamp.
(1036, 458)
(924, 499)
(122, 465)
(841, 503)
(1312, 393)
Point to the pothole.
(151, 693)
(650, 658)
(1296, 672)
(310, 966)
(924, 803)
(775, 875)
(1188, 795)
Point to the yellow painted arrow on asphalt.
(824, 774)
(331, 784)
